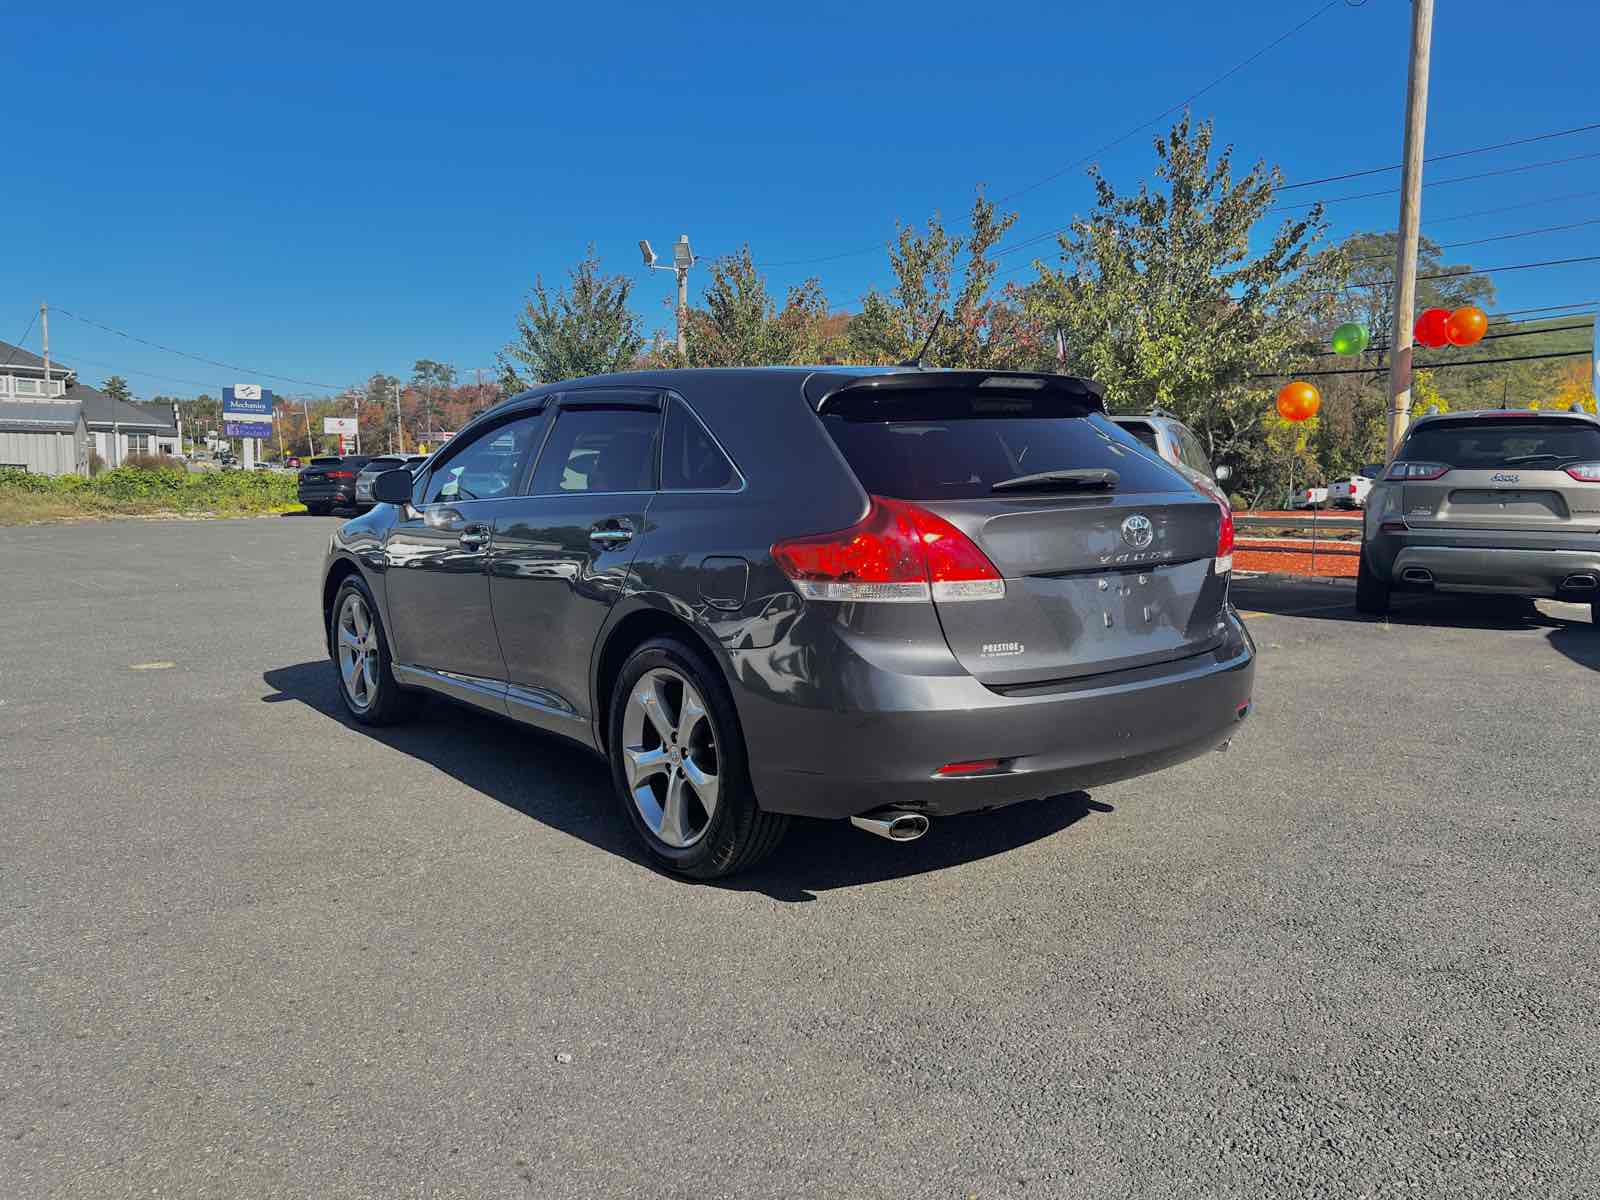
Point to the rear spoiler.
(823, 386)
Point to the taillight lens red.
(972, 767)
(341, 475)
(1224, 561)
(897, 552)
(1416, 471)
(1585, 472)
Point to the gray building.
(36, 414)
(44, 439)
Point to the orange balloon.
(1298, 401)
(1466, 326)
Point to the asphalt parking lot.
(250, 950)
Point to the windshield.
(941, 452)
(1516, 442)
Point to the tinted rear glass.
(325, 460)
(1509, 443)
(956, 446)
(1142, 431)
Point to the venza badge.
(1138, 532)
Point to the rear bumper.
(1498, 570)
(326, 494)
(882, 740)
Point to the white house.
(51, 426)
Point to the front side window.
(599, 449)
(489, 466)
(691, 461)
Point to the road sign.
(343, 426)
(247, 411)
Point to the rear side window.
(1516, 442)
(690, 460)
(599, 450)
(958, 445)
(1192, 452)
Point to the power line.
(17, 345)
(1554, 162)
(1489, 212)
(1503, 237)
(212, 362)
(1542, 137)
(1497, 318)
(1465, 273)
(1488, 337)
(1476, 362)
(1117, 141)
(1167, 112)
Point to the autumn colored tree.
(938, 273)
(738, 324)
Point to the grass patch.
(143, 491)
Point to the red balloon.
(1433, 328)
(1298, 401)
(1466, 326)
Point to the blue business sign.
(246, 411)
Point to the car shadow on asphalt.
(566, 787)
(1336, 602)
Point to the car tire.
(318, 510)
(1594, 613)
(1372, 593)
(677, 751)
(362, 666)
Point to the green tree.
(1162, 298)
(937, 273)
(431, 383)
(117, 388)
(586, 329)
(740, 325)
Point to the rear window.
(1516, 442)
(958, 445)
(1144, 432)
(325, 460)
(383, 464)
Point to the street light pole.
(682, 259)
(1405, 268)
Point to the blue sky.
(321, 191)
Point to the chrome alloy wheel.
(669, 754)
(357, 636)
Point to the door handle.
(610, 534)
(474, 536)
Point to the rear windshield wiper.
(1518, 460)
(1079, 477)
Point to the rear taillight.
(340, 475)
(1224, 560)
(897, 552)
(974, 766)
(1417, 471)
(1585, 472)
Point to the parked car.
(1173, 441)
(1352, 491)
(1503, 502)
(376, 467)
(329, 482)
(1316, 497)
(879, 594)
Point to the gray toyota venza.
(888, 595)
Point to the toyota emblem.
(1138, 532)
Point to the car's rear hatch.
(1097, 578)
(1504, 473)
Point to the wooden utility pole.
(1405, 267)
(44, 321)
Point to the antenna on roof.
(916, 361)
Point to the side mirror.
(394, 487)
(1224, 473)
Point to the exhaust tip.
(894, 826)
(1580, 583)
(1417, 575)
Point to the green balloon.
(1350, 338)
